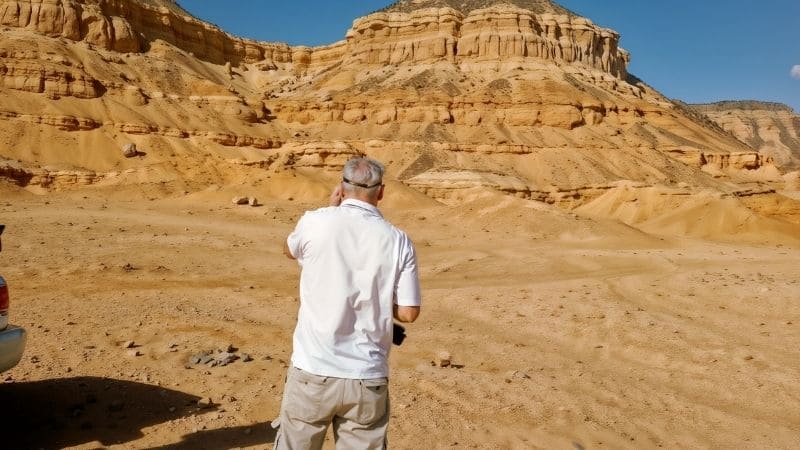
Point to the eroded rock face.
(129, 26)
(771, 128)
(520, 97)
(44, 78)
(501, 32)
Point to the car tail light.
(3, 297)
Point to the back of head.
(363, 179)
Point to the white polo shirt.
(355, 267)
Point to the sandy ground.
(566, 332)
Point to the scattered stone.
(516, 375)
(222, 359)
(748, 357)
(205, 402)
(203, 357)
(128, 267)
(231, 348)
(246, 357)
(443, 359)
(134, 353)
(129, 344)
(252, 201)
(172, 409)
(240, 200)
(130, 150)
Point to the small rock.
(129, 150)
(443, 359)
(172, 409)
(224, 358)
(231, 348)
(516, 375)
(134, 353)
(252, 201)
(246, 357)
(129, 344)
(205, 402)
(748, 357)
(239, 200)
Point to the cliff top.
(466, 6)
(172, 5)
(748, 105)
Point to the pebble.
(129, 344)
(516, 375)
(205, 402)
(134, 353)
(443, 359)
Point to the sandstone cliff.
(522, 97)
(771, 128)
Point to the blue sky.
(693, 50)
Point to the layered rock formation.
(497, 33)
(129, 26)
(771, 128)
(522, 97)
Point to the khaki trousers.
(358, 410)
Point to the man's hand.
(336, 196)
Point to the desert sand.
(564, 331)
(604, 266)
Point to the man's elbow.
(406, 314)
(287, 252)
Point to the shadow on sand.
(73, 411)
(225, 438)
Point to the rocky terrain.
(771, 128)
(602, 266)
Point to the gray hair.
(362, 175)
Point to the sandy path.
(619, 340)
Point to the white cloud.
(796, 72)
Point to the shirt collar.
(355, 203)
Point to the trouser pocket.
(374, 401)
(304, 395)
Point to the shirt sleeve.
(296, 240)
(408, 290)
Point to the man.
(358, 272)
